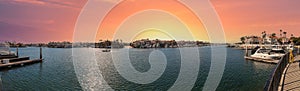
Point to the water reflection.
(57, 71)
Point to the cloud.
(13, 32)
(75, 4)
(31, 2)
(66, 4)
(110, 1)
(230, 4)
(49, 22)
(279, 24)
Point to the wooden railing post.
(291, 57)
(298, 49)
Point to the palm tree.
(273, 35)
(284, 34)
(243, 40)
(264, 34)
(280, 33)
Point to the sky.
(34, 21)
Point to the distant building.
(266, 39)
(253, 39)
(59, 44)
(146, 43)
(110, 44)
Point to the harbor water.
(57, 73)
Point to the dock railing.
(274, 82)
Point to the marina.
(9, 59)
(256, 69)
(59, 74)
(285, 76)
(150, 45)
(265, 63)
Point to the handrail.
(274, 81)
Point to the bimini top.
(4, 49)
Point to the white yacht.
(269, 54)
(4, 50)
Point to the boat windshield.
(277, 51)
(263, 51)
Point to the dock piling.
(41, 53)
(17, 51)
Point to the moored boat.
(269, 54)
(5, 51)
(106, 50)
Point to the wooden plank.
(18, 59)
(20, 63)
(9, 56)
(297, 58)
(292, 76)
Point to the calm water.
(57, 71)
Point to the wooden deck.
(292, 76)
(8, 61)
(9, 56)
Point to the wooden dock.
(17, 62)
(9, 56)
(14, 60)
(20, 63)
(291, 81)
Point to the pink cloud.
(49, 22)
(31, 2)
(74, 4)
(109, 1)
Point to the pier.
(8, 61)
(9, 56)
(291, 79)
(20, 63)
(286, 75)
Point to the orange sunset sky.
(54, 20)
